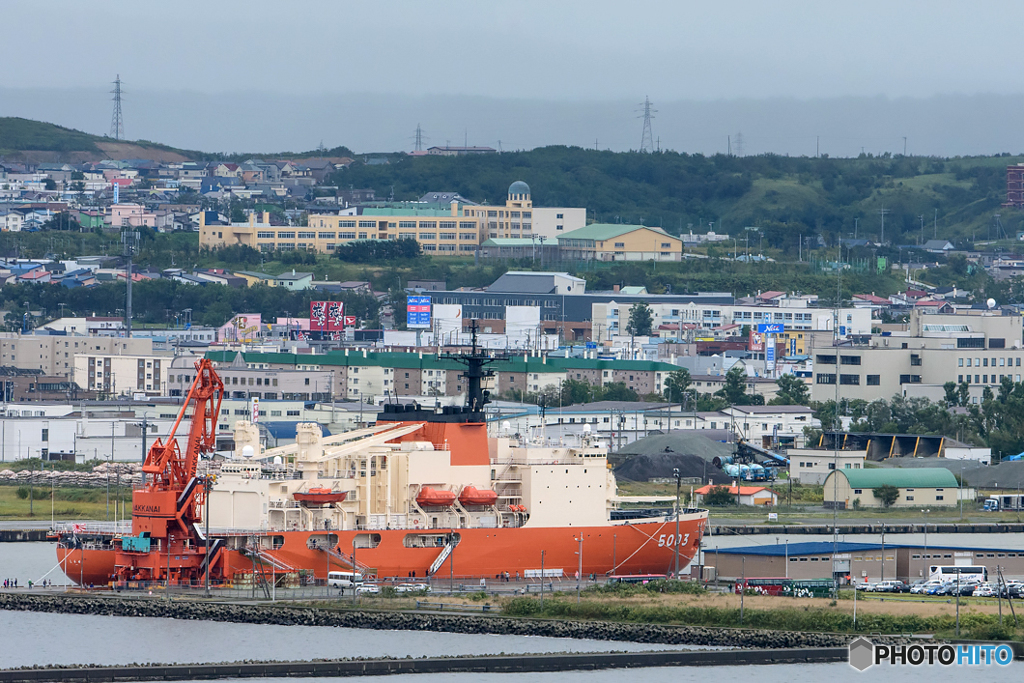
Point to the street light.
(961, 494)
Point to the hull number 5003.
(669, 540)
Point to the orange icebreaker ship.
(424, 491)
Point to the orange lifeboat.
(471, 495)
(431, 497)
(320, 496)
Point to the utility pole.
(883, 553)
(206, 521)
(542, 580)
(129, 240)
(675, 473)
(579, 569)
(958, 602)
(882, 213)
(743, 583)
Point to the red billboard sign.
(326, 316)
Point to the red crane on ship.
(167, 543)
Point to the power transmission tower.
(647, 140)
(419, 138)
(117, 120)
(737, 144)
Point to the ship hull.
(86, 566)
(646, 547)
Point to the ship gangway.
(347, 560)
(449, 546)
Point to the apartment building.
(366, 373)
(979, 350)
(54, 354)
(443, 231)
(257, 380)
(121, 374)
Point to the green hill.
(785, 196)
(36, 141)
(18, 135)
(39, 141)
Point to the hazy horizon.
(262, 76)
(265, 124)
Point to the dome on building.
(518, 187)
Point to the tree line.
(159, 301)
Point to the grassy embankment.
(68, 503)
(979, 618)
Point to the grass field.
(71, 503)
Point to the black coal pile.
(644, 467)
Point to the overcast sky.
(543, 71)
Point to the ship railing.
(102, 528)
(279, 504)
(540, 461)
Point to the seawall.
(376, 667)
(282, 615)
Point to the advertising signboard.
(326, 316)
(417, 312)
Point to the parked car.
(922, 587)
(984, 590)
(941, 589)
(1012, 589)
(966, 589)
(412, 588)
(890, 586)
(367, 589)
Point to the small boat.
(431, 497)
(319, 496)
(471, 495)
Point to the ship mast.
(476, 371)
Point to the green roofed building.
(918, 486)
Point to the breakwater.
(527, 663)
(854, 528)
(289, 615)
(25, 535)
